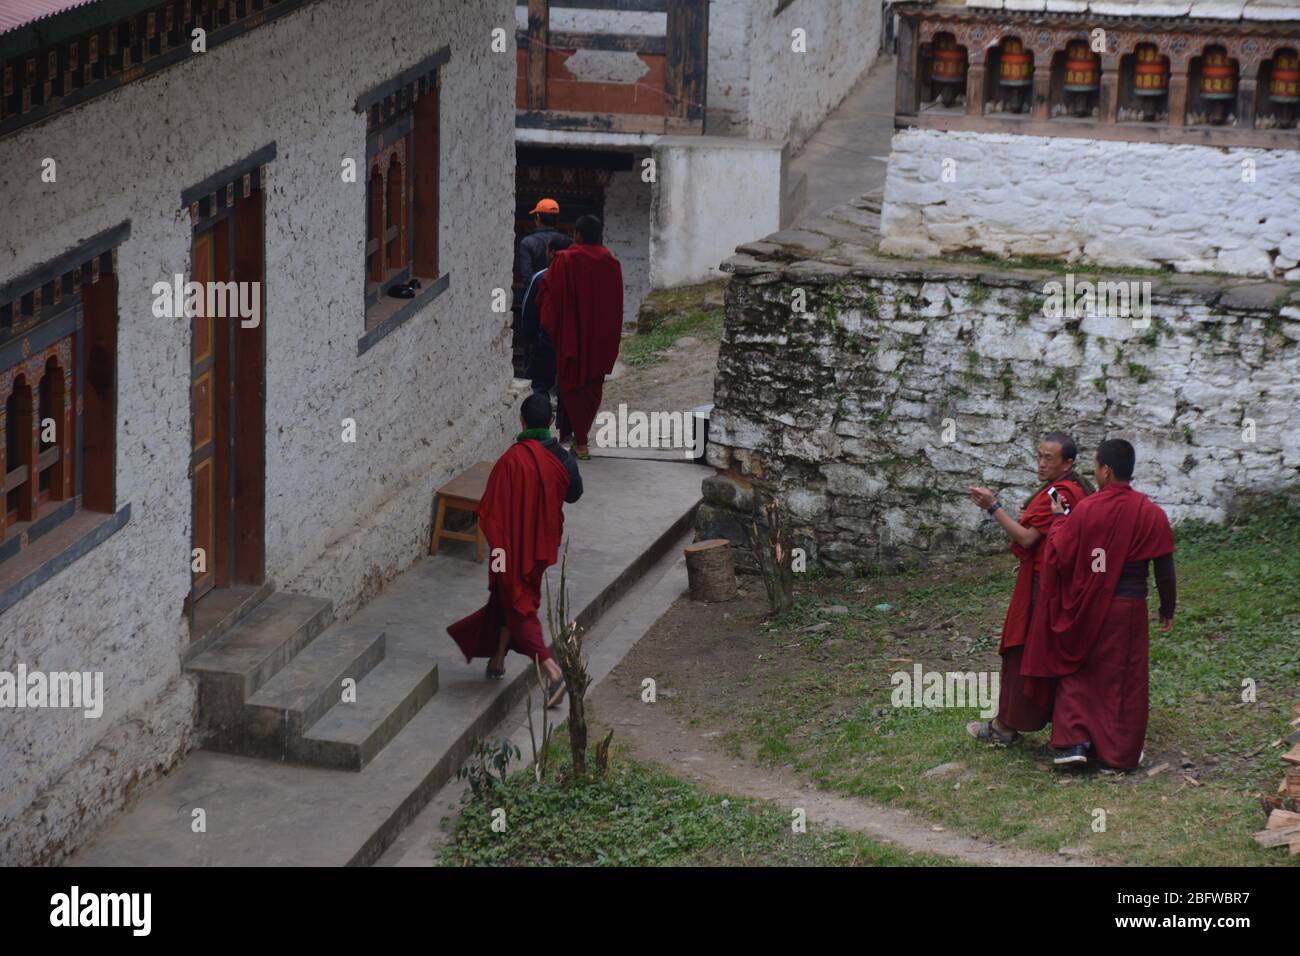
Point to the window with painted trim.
(57, 387)
(402, 203)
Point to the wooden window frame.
(58, 319)
(402, 217)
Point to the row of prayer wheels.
(1082, 74)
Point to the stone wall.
(1191, 208)
(902, 384)
(428, 400)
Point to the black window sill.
(57, 549)
(388, 313)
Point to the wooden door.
(203, 395)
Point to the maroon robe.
(1092, 643)
(522, 514)
(1017, 709)
(582, 313)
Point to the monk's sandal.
(986, 733)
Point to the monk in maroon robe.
(1018, 712)
(1090, 631)
(522, 517)
(582, 313)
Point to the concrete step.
(273, 720)
(220, 610)
(241, 661)
(271, 813)
(350, 735)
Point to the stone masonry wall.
(842, 411)
(428, 400)
(1151, 205)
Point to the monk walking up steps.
(1090, 631)
(522, 517)
(1017, 712)
(582, 313)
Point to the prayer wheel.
(1284, 80)
(1284, 87)
(1150, 72)
(948, 68)
(1218, 76)
(1015, 67)
(1218, 83)
(1150, 78)
(1015, 71)
(1082, 74)
(1082, 68)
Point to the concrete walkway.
(260, 812)
(849, 153)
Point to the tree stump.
(711, 570)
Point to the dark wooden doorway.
(573, 178)
(228, 393)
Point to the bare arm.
(1025, 537)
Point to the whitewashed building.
(164, 474)
(674, 120)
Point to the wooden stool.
(464, 492)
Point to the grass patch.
(641, 816)
(825, 707)
(649, 348)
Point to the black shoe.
(1071, 756)
(554, 692)
(495, 673)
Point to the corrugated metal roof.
(19, 13)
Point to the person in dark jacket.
(541, 354)
(536, 416)
(532, 248)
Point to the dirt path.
(682, 380)
(657, 736)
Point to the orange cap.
(547, 206)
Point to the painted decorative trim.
(65, 558)
(71, 261)
(84, 71)
(218, 181)
(402, 315)
(421, 70)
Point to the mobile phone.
(1052, 493)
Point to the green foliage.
(1054, 381)
(979, 294)
(1140, 373)
(487, 766)
(639, 351)
(1028, 307)
(639, 816)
